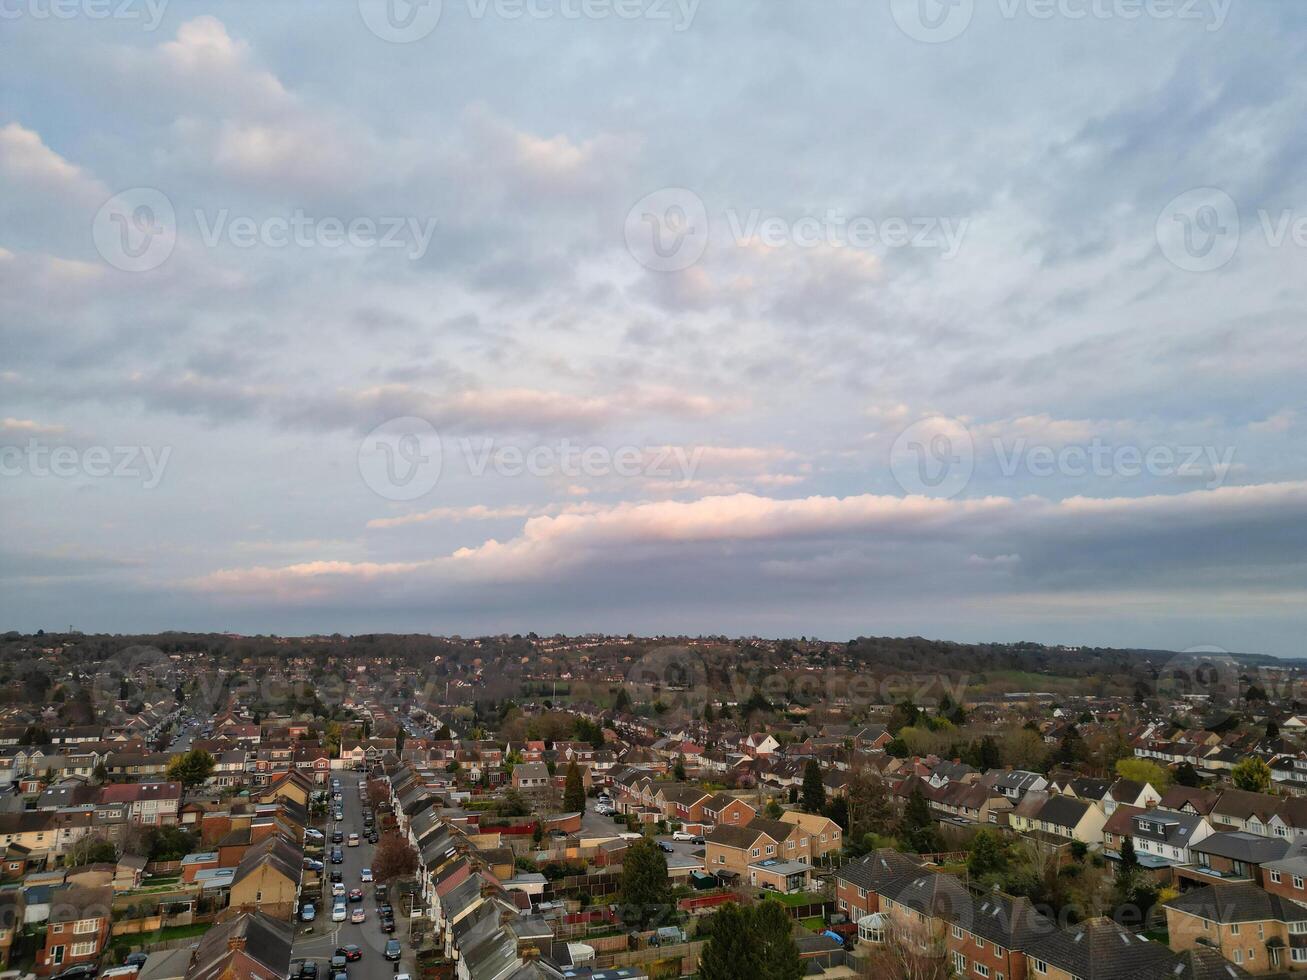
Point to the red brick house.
(77, 930)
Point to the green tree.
(91, 850)
(774, 932)
(678, 770)
(573, 790)
(917, 826)
(814, 790)
(1251, 774)
(191, 768)
(623, 701)
(757, 942)
(731, 952)
(644, 882)
(1144, 771)
(988, 855)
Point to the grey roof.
(1238, 903)
(1168, 826)
(1099, 949)
(1063, 811)
(1242, 845)
(878, 870)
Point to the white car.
(630, 835)
(365, 875)
(312, 834)
(352, 840)
(339, 912)
(683, 835)
(337, 888)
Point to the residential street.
(326, 935)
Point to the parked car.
(337, 856)
(684, 835)
(379, 892)
(358, 915)
(699, 841)
(630, 835)
(373, 838)
(337, 889)
(313, 834)
(351, 952)
(393, 949)
(136, 959)
(338, 837)
(338, 913)
(308, 970)
(85, 971)
(388, 925)
(311, 865)
(338, 963)
(366, 875)
(308, 913)
(353, 840)
(337, 876)
(665, 847)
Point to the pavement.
(321, 942)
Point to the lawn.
(797, 898)
(813, 923)
(168, 934)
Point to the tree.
(573, 790)
(755, 942)
(646, 889)
(870, 811)
(623, 702)
(395, 858)
(1187, 775)
(731, 952)
(1251, 774)
(774, 932)
(678, 770)
(191, 768)
(91, 850)
(814, 790)
(1144, 771)
(773, 810)
(1272, 729)
(988, 855)
(169, 843)
(917, 826)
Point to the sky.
(980, 320)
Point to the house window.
(1238, 955)
(959, 963)
(1298, 954)
(1275, 877)
(1297, 882)
(957, 932)
(1234, 929)
(1039, 966)
(83, 949)
(982, 969)
(86, 925)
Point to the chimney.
(236, 943)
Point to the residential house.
(1253, 929)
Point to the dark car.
(351, 952)
(380, 892)
(337, 856)
(337, 877)
(385, 911)
(373, 838)
(388, 925)
(356, 894)
(337, 837)
(136, 959)
(666, 847)
(84, 971)
(392, 949)
(698, 840)
(308, 970)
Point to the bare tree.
(909, 951)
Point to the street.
(326, 936)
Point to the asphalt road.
(326, 935)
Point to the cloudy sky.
(981, 321)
